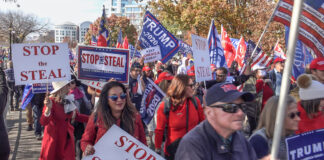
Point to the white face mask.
(262, 73)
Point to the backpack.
(167, 105)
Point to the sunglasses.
(293, 115)
(220, 75)
(232, 107)
(115, 97)
(191, 85)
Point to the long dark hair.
(177, 89)
(127, 118)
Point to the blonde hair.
(269, 114)
(58, 96)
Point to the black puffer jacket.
(4, 145)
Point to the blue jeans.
(37, 113)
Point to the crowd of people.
(212, 120)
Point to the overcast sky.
(58, 11)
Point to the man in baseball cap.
(317, 68)
(217, 137)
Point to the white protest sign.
(151, 54)
(201, 58)
(94, 84)
(40, 62)
(118, 144)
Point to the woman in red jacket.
(58, 113)
(179, 94)
(311, 104)
(114, 107)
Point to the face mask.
(262, 73)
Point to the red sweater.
(267, 91)
(176, 122)
(306, 124)
(91, 137)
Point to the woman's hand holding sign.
(48, 104)
(89, 150)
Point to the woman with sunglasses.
(261, 139)
(114, 107)
(311, 104)
(183, 114)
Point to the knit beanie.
(309, 89)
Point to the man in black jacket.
(4, 145)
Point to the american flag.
(278, 52)
(311, 31)
(93, 40)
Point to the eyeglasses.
(115, 97)
(293, 115)
(232, 107)
(73, 82)
(191, 85)
(220, 75)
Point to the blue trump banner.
(42, 87)
(102, 64)
(216, 51)
(152, 97)
(184, 48)
(308, 145)
(154, 34)
(27, 96)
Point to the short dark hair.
(223, 69)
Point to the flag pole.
(140, 31)
(265, 28)
(293, 36)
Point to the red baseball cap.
(164, 76)
(278, 59)
(317, 63)
(146, 68)
(191, 71)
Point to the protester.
(37, 104)
(263, 85)
(233, 70)
(58, 112)
(114, 107)
(262, 138)
(4, 145)
(14, 92)
(174, 112)
(135, 86)
(317, 68)
(311, 104)
(275, 75)
(217, 137)
(182, 69)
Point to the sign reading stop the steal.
(40, 62)
(118, 144)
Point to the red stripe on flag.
(258, 59)
(312, 31)
(313, 18)
(321, 10)
(289, 2)
(285, 10)
(310, 44)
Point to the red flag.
(278, 52)
(229, 50)
(119, 39)
(240, 52)
(125, 43)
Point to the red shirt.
(91, 137)
(176, 122)
(267, 91)
(306, 124)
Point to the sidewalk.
(23, 143)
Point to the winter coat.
(95, 129)
(4, 145)
(58, 139)
(182, 69)
(306, 124)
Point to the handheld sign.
(308, 145)
(201, 56)
(118, 144)
(152, 97)
(102, 64)
(154, 34)
(94, 84)
(151, 54)
(42, 87)
(40, 62)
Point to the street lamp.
(9, 55)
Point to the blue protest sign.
(41, 88)
(102, 64)
(154, 34)
(27, 96)
(308, 145)
(152, 97)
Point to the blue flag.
(27, 96)
(302, 57)
(184, 48)
(133, 52)
(216, 51)
(154, 34)
(152, 97)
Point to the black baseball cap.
(226, 92)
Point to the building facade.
(83, 29)
(128, 8)
(66, 29)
